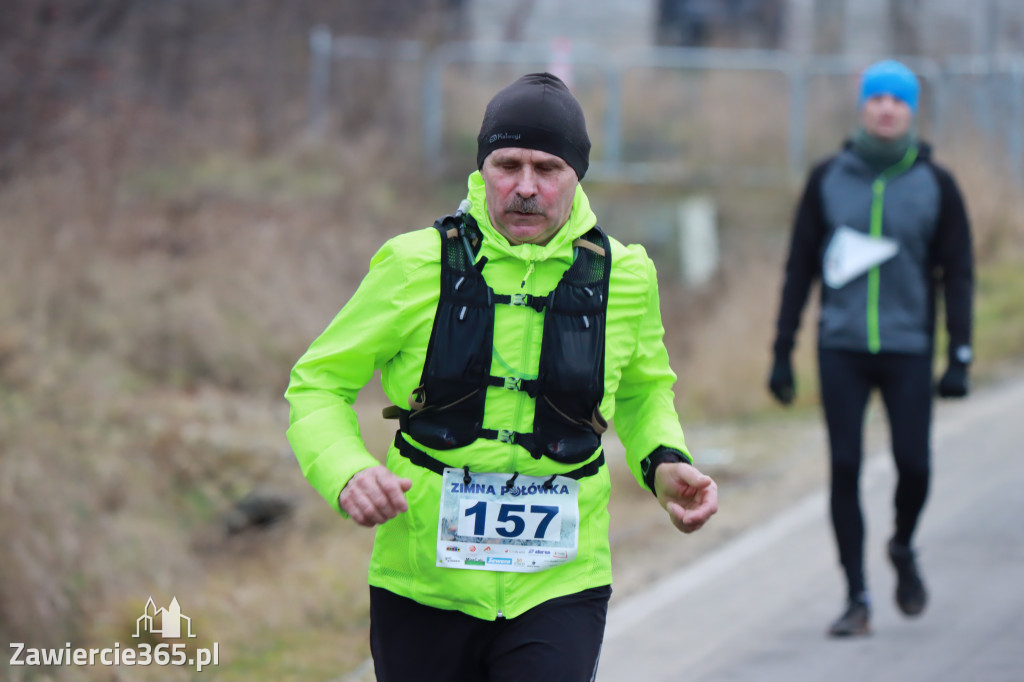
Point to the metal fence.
(977, 96)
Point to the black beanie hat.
(536, 112)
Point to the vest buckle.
(520, 299)
(513, 383)
(506, 436)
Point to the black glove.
(781, 382)
(953, 383)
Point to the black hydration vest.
(447, 408)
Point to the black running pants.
(905, 381)
(557, 641)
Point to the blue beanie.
(890, 78)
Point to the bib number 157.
(484, 519)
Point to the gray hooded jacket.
(913, 208)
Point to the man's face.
(529, 193)
(886, 117)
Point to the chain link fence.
(663, 114)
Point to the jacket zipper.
(524, 354)
(874, 275)
(529, 271)
(523, 357)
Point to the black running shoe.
(911, 595)
(855, 621)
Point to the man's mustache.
(518, 204)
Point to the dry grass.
(142, 360)
(151, 310)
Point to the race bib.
(851, 253)
(485, 525)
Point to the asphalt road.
(756, 609)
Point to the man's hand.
(781, 382)
(374, 495)
(689, 497)
(953, 383)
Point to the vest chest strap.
(514, 384)
(422, 459)
(526, 300)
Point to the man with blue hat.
(884, 228)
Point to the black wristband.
(661, 455)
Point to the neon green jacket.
(386, 326)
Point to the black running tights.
(905, 381)
(557, 641)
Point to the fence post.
(698, 240)
(1015, 144)
(321, 45)
(795, 137)
(433, 103)
(613, 117)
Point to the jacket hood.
(581, 219)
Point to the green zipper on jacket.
(874, 275)
(522, 397)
